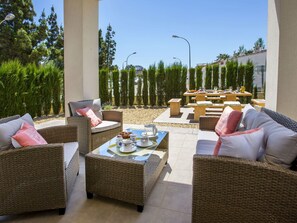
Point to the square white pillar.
(80, 50)
(281, 78)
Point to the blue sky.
(211, 26)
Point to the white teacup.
(127, 144)
(144, 140)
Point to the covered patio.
(171, 198)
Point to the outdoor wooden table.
(210, 93)
(259, 102)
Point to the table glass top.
(109, 149)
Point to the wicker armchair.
(87, 137)
(36, 178)
(236, 190)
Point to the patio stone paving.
(169, 201)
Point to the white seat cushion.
(105, 125)
(69, 150)
(231, 103)
(206, 143)
(204, 103)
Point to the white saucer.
(130, 150)
(139, 144)
(149, 135)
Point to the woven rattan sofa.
(39, 177)
(92, 137)
(228, 189)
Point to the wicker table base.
(123, 178)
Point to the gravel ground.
(132, 115)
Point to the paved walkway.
(186, 117)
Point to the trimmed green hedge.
(33, 89)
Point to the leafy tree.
(16, 35)
(59, 46)
(223, 56)
(160, 83)
(241, 51)
(145, 88)
(259, 45)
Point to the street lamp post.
(127, 64)
(176, 58)
(9, 17)
(175, 36)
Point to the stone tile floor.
(170, 201)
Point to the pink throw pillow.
(228, 121)
(244, 144)
(28, 136)
(88, 112)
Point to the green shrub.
(183, 85)
(255, 94)
(31, 96)
(152, 84)
(241, 69)
(215, 82)
(131, 86)
(208, 77)
(229, 75)
(139, 88)
(234, 75)
(192, 78)
(249, 76)
(124, 87)
(168, 83)
(199, 78)
(145, 88)
(223, 77)
(160, 76)
(116, 87)
(103, 86)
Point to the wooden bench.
(200, 108)
(174, 106)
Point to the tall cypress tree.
(131, 86)
(53, 34)
(161, 83)
(101, 49)
(152, 84)
(145, 88)
(110, 47)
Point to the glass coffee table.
(128, 177)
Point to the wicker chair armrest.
(59, 134)
(208, 122)
(255, 190)
(84, 131)
(113, 115)
(35, 169)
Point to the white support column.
(281, 74)
(80, 50)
